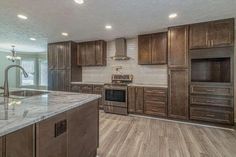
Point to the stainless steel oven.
(115, 94)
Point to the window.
(43, 72)
(29, 66)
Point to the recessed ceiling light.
(64, 34)
(108, 27)
(22, 16)
(174, 15)
(79, 1)
(33, 39)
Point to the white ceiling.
(48, 18)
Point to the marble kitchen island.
(54, 124)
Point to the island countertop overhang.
(16, 114)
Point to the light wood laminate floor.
(126, 136)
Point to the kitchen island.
(54, 124)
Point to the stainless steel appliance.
(116, 93)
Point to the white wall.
(148, 74)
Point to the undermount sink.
(25, 93)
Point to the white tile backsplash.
(146, 74)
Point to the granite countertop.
(148, 85)
(16, 114)
(92, 83)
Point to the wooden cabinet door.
(67, 54)
(198, 36)
(100, 49)
(144, 49)
(178, 46)
(83, 138)
(81, 54)
(52, 56)
(61, 57)
(222, 33)
(1, 147)
(50, 141)
(139, 100)
(90, 54)
(61, 82)
(178, 93)
(21, 143)
(131, 99)
(52, 80)
(159, 48)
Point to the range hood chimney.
(121, 47)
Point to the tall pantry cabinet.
(178, 72)
(62, 67)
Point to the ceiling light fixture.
(79, 1)
(13, 57)
(174, 15)
(33, 39)
(108, 27)
(64, 34)
(22, 17)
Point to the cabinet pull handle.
(210, 115)
(209, 101)
(210, 90)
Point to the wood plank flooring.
(126, 136)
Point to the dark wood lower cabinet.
(178, 94)
(82, 138)
(135, 100)
(210, 114)
(89, 89)
(21, 143)
(155, 101)
(48, 143)
(1, 147)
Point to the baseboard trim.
(180, 122)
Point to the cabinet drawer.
(153, 97)
(155, 91)
(211, 115)
(155, 108)
(211, 101)
(211, 90)
(97, 88)
(76, 88)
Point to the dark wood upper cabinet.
(101, 53)
(92, 53)
(222, 33)
(198, 36)
(159, 48)
(62, 65)
(178, 94)
(212, 34)
(144, 49)
(152, 49)
(178, 47)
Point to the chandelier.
(13, 57)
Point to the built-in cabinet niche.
(210, 70)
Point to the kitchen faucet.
(6, 87)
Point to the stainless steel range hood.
(121, 49)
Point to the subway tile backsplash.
(146, 74)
